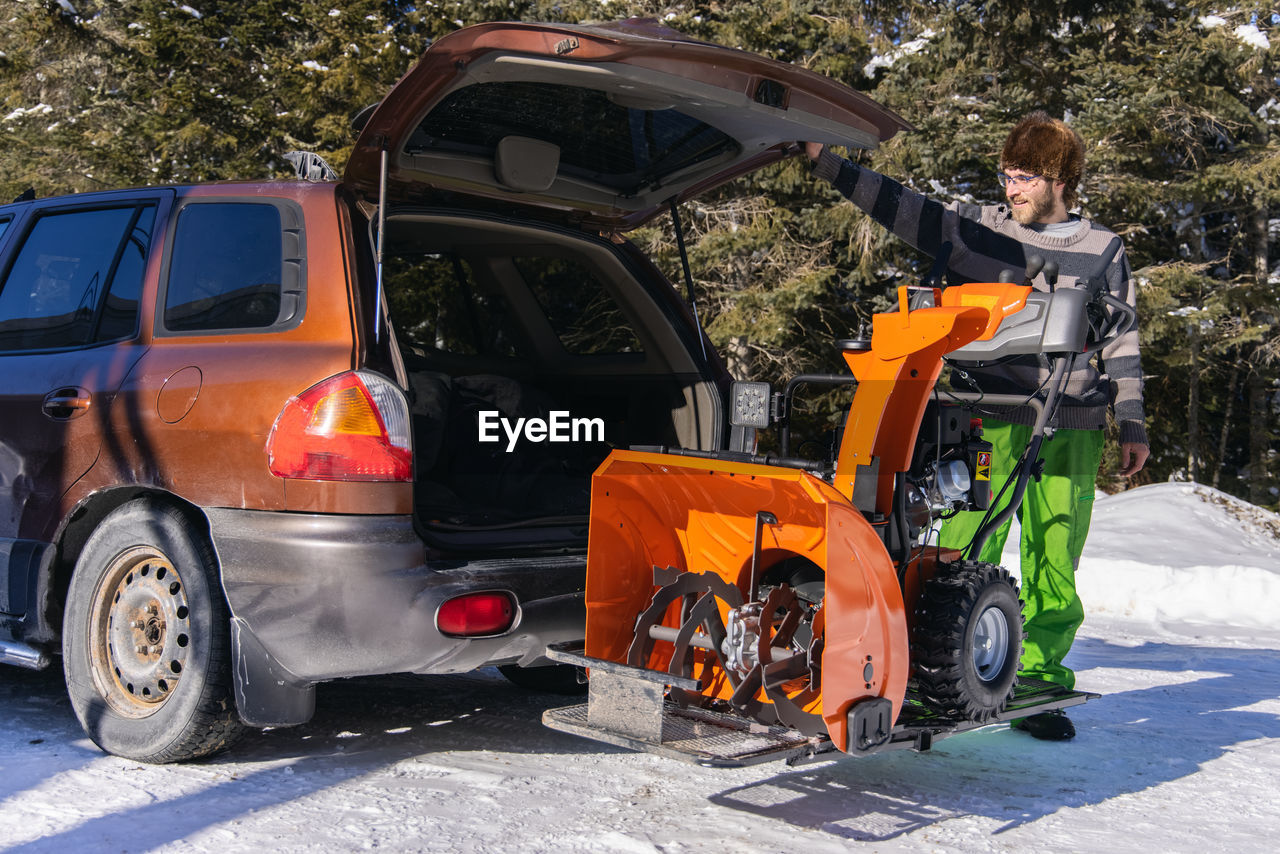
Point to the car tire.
(549, 679)
(146, 638)
(966, 640)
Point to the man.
(1041, 166)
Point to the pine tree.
(155, 91)
(1177, 107)
(1178, 104)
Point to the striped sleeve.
(1121, 360)
(912, 216)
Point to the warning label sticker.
(984, 466)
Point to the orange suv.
(254, 436)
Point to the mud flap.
(266, 693)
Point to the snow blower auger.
(744, 607)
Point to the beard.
(1039, 204)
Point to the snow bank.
(1183, 552)
(1179, 552)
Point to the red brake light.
(477, 614)
(353, 426)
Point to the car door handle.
(66, 403)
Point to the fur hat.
(1046, 146)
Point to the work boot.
(1047, 726)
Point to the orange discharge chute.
(895, 378)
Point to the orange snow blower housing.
(786, 603)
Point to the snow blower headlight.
(750, 405)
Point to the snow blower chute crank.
(745, 607)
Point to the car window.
(584, 315)
(119, 314)
(76, 279)
(4, 224)
(226, 268)
(434, 301)
(623, 148)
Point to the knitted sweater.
(986, 241)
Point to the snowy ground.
(1182, 753)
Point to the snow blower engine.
(743, 607)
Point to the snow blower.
(743, 607)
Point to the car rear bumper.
(316, 597)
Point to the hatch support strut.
(382, 221)
(688, 276)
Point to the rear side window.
(4, 224)
(76, 279)
(435, 302)
(234, 266)
(584, 315)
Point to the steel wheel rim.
(990, 643)
(139, 632)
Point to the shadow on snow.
(361, 726)
(1128, 741)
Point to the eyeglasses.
(1006, 179)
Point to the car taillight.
(477, 614)
(353, 426)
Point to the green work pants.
(1055, 515)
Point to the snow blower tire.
(967, 640)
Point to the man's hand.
(813, 150)
(1133, 456)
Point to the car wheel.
(967, 640)
(550, 679)
(146, 638)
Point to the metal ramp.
(627, 707)
(700, 736)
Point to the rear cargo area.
(528, 354)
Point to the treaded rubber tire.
(946, 674)
(146, 554)
(549, 679)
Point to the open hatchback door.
(607, 124)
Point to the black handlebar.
(1096, 281)
(1119, 320)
